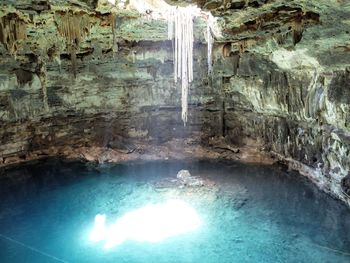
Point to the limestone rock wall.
(302, 116)
(110, 98)
(93, 77)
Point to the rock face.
(105, 87)
(293, 114)
(87, 74)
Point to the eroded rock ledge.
(176, 149)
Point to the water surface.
(249, 213)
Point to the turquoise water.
(248, 213)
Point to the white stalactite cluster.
(180, 28)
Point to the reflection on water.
(247, 214)
(151, 223)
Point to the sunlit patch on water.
(151, 223)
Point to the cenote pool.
(243, 213)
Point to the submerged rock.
(188, 180)
(183, 174)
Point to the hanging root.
(180, 25)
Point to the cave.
(174, 131)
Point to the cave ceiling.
(321, 28)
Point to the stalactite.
(226, 50)
(210, 41)
(281, 38)
(113, 21)
(310, 98)
(298, 31)
(12, 30)
(42, 73)
(246, 44)
(235, 57)
(73, 57)
(74, 28)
